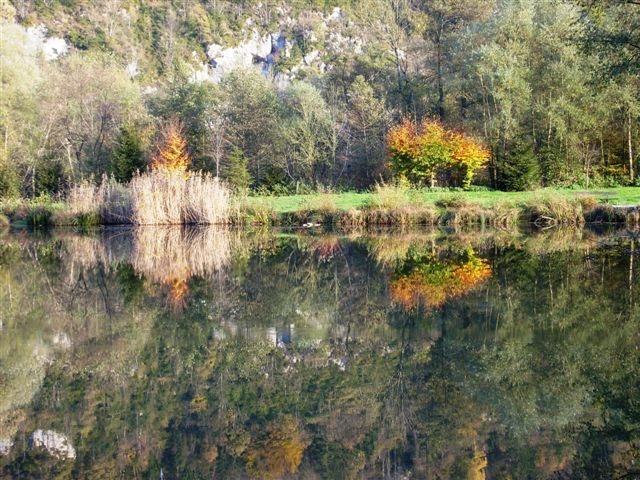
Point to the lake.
(205, 353)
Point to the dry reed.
(164, 198)
(552, 211)
(106, 203)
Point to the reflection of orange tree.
(279, 449)
(424, 279)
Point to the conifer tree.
(172, 155)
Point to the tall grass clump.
(90, 204)
(207, 200)
(166, 198)
(549, 211)
(388, 196)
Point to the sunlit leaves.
(420, 151)
(426, 280)
(172, 155)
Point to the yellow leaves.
(172, 156)
(477, 466)
(441, 282)
(418, 151)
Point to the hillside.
(279, 96)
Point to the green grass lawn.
(349, 200)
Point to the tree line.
(548, 89)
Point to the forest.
(549, 88)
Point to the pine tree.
(128, 156)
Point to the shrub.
(388, 196)
(419, 151)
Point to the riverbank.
(386, 205)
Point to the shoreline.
(545, 213)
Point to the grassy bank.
(388, 205)
(204, 203)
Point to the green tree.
(129, 155)
(20, 137)
(237, 173)
(367, 119)
(252, 113)
(83, 123)
(307, 135)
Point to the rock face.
(51, 47)
(5, 446)
(256, 50)
(55, 443)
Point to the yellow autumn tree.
(418, 151)
(172, 155)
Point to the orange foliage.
(178, 291)
(172, 155)
(418, 151)
(401, 139)
(440, 284)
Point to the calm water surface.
(188, 354)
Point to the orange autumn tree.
(419, 151)
(426, 280)
(172, 155)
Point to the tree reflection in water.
(209, 353)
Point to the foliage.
(518, 168)
(419, 152)
(559, 77)
(128, 157)
(237, 174)
(425, 280)
(172, 156)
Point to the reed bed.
(206, 200)
(152, 198)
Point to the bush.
(388, 196)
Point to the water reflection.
(208, 353)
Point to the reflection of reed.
(168, 253)
(390, 249)
(108, 249)
(161, 254)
